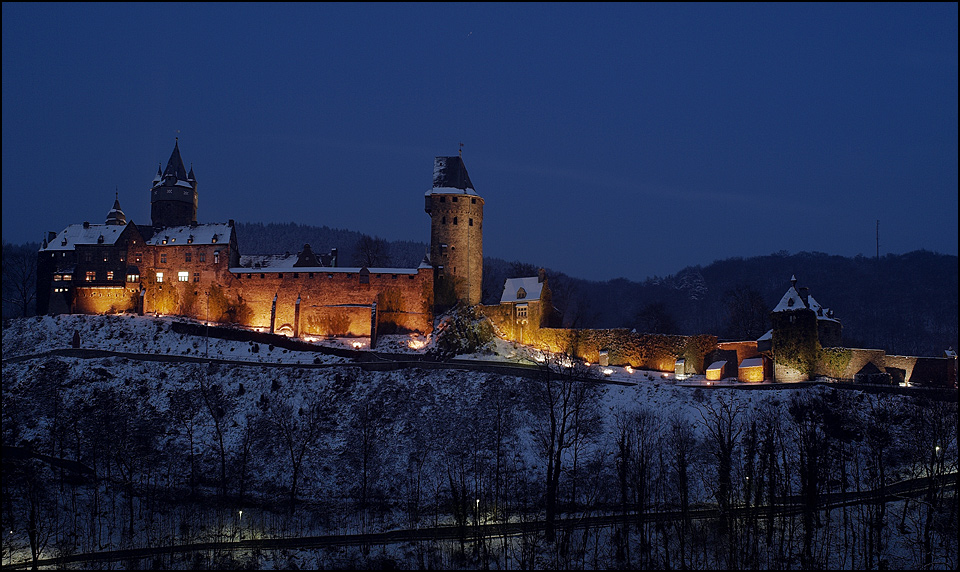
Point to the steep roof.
(450, 176)
(175, 165)
(531, 286)
(792, 300)
(116, 216)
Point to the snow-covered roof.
(766, 336)
(752, 362)
(215, 233)
(717, 365)
(274, 263)
(531, 286)
(793, 301)
(450, 177)
(85, 234)
(790, 301)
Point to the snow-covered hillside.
(306, 443)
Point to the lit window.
(57, 277)
(68, 277)
(91, 276)
(521, 310)
(109, 274)
(159, 276)
(138, 258)
(133, 277)
(216, 257)
(183, 276)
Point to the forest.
(112, 453)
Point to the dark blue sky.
(608, 140)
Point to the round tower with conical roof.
(456, 233)
(173, 197)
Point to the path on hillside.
(911, 488)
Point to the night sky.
(608, 140)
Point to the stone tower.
(173, 197)
(456, 233)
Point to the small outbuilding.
(717, 371)
(751, 370)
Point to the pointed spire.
(190, 175)
(175, 164)
(116, 216)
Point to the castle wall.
(337, 302)
(624, 347)
(105, 299)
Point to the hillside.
(123, 452)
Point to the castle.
(176, 265)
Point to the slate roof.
(450, 176)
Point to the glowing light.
(607, 371)
(665, 376)
(586, 363)
(417, 344)
(357, 345)
(628, 369)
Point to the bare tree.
(561, 402)
(723, 426)
(19, 277)
(373, 252)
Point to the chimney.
(541, 276)
(86, 224)
(804, 292)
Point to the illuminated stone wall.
(625, 347)
(105, 299)
(337, 303)
(456, 242)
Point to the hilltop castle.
(176, 265)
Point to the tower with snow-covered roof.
(173, 196)
(801, 328)
(456, 233)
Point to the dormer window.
(521, 294)
(190, 239)
(790, 302)
(214, 239)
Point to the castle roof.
(274, 263)
(116, 216)
(522, 289)
(175, 164)
(450, 177)
(85, 234)
(213, 233)
(175, 175)
(792, 300)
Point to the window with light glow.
(183, 276)
(159, 276)
(91, 276)
(109, 274)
